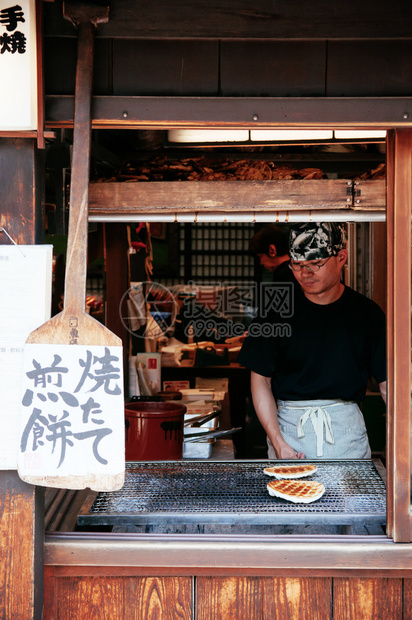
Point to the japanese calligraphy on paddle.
(72, 433)
(68, 426)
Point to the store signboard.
(70, 433)
(25, 303)
(18, 66)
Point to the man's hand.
(266, 410)
(285, 451)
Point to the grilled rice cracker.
(296, 491)
(290, 471)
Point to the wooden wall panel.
(369, 599)
(229, 598)
(407, 599)
(157, 597)
(129, 67)
(165, 67)
(297, 598)
(50, 594)
(89, 597)
(103, 67)
(22, 191)
(369, 68)
(116, 597)
(272, 69)
(241, 19)
(60, 66)
(21, 548)
(112, 596)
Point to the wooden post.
(399, 196)
(21, 504)
(22, 191)
(117, 282)
(21, 548)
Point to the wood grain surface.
(370, 194)
(298, 598)
(228, 598)
(90, 598)
(157, 597)
(398, 317)
(407, 599)
(21, 542)
(166, 197)
(262, 19)
(118, 596)
(21, 207)
(367, 599)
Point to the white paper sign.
(18, 65)
(72, 421)
(25, 302)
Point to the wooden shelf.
(114, 198)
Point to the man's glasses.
(312, 267)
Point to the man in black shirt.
(310, 369)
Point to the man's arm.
(266, 410)
(382, 387)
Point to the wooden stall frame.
(399, 197)
(145, 112)
(235, 554)
(21, 572)
(352, 558)
(152, 197)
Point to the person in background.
(270, 245)
(309, 371)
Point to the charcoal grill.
(234, 492)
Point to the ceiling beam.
(262, 19)
(252, 112)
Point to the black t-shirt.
(283, 273)
(320, 351)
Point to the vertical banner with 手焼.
(18, 65)
(72, 435)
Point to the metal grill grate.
(232, 492)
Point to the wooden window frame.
(398, 214)
(398, 296)
(388, 113)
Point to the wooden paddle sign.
(72, 432)
(72, 422)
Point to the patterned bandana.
(316, 240)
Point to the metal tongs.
(211, 434)
(202, 419)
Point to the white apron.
(323, 429)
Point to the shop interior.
(185, 290)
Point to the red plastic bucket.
(154, 431)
